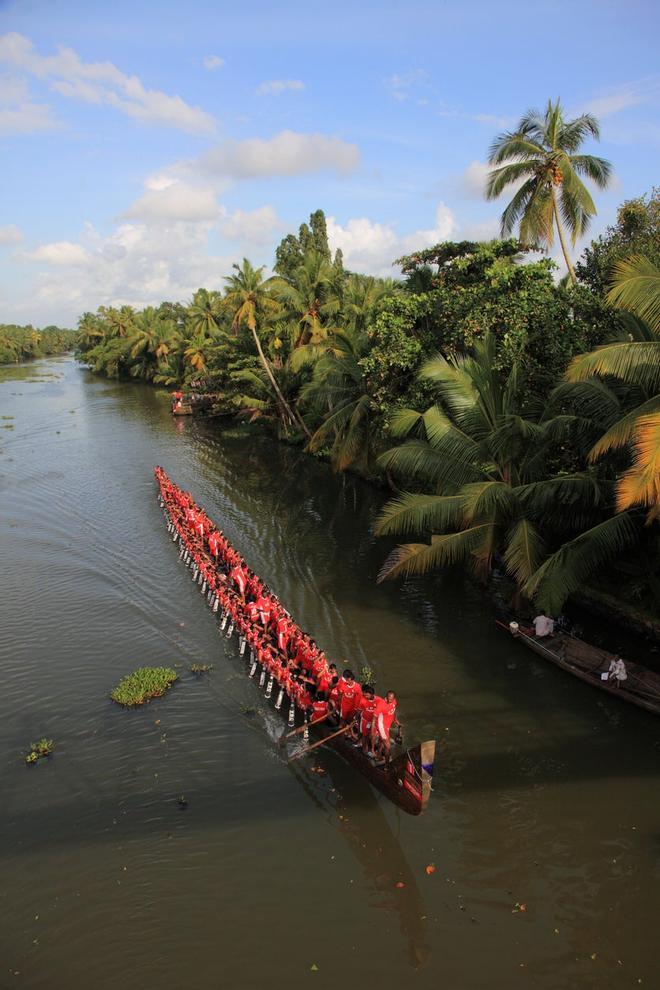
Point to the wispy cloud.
(10, 235)
(102, 83)
(212, 62)
(19, 114)
(273, 87)
(630, 94)
(402, 86)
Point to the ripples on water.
(545, 794)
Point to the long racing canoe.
(407, 779)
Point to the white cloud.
(287, 153)
(273, 87)
(443, 230)
(473, 180)
(102, 83)
(137, 264)
(252, 226)
(212, 62)
(18, 113)
(167, 199)
(61, 253)
(10, 235)
(371, 247)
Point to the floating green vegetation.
(143, 684)
(201, 668)
(40, 749)
(367, 675)
(6, 417)
(7, 426)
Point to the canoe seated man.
(544, 626)
(617, 672)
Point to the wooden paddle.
(288, 735)
(321, 742)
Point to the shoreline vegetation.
(25, 343)
(515, 417)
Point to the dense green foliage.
(502, 469)
(142, 685)
(20, 343)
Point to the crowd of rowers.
(288, 657)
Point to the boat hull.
(588, 662)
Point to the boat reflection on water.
(354, 810)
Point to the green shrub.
(142, 685)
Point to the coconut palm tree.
(205, 313)
(339, 393)
(250, 303)
(308, 298)
(488, 490)
(636, 362)
(542, 154)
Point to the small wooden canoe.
(642, 686)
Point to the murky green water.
(546, 794)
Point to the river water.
(546, 794)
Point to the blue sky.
(147, 146)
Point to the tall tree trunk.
(562, 239)
(285, 405)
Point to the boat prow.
(406, 781)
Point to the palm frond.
(494, 499)
(524, 552)
(502, 177)
(443, 551)
(404, 421)
(599, 170)
(413, 513)
(640, 485)
(560, 494)
(624, 429)
(567, 570)
(636, 362)
(636, 287)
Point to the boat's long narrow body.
(406, 781)
(589, 663)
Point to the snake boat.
(406, 780)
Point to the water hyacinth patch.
(142, 685)
(39, 750)
(201, 668)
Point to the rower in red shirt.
(239, 577)
(319, 707)
(349, 695)
(366, 709)
(384, 718)
(283, 629)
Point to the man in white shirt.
(543, 625)
(617, 671)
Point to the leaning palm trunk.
(290, 415)
(562, 240)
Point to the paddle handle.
(321, 742)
